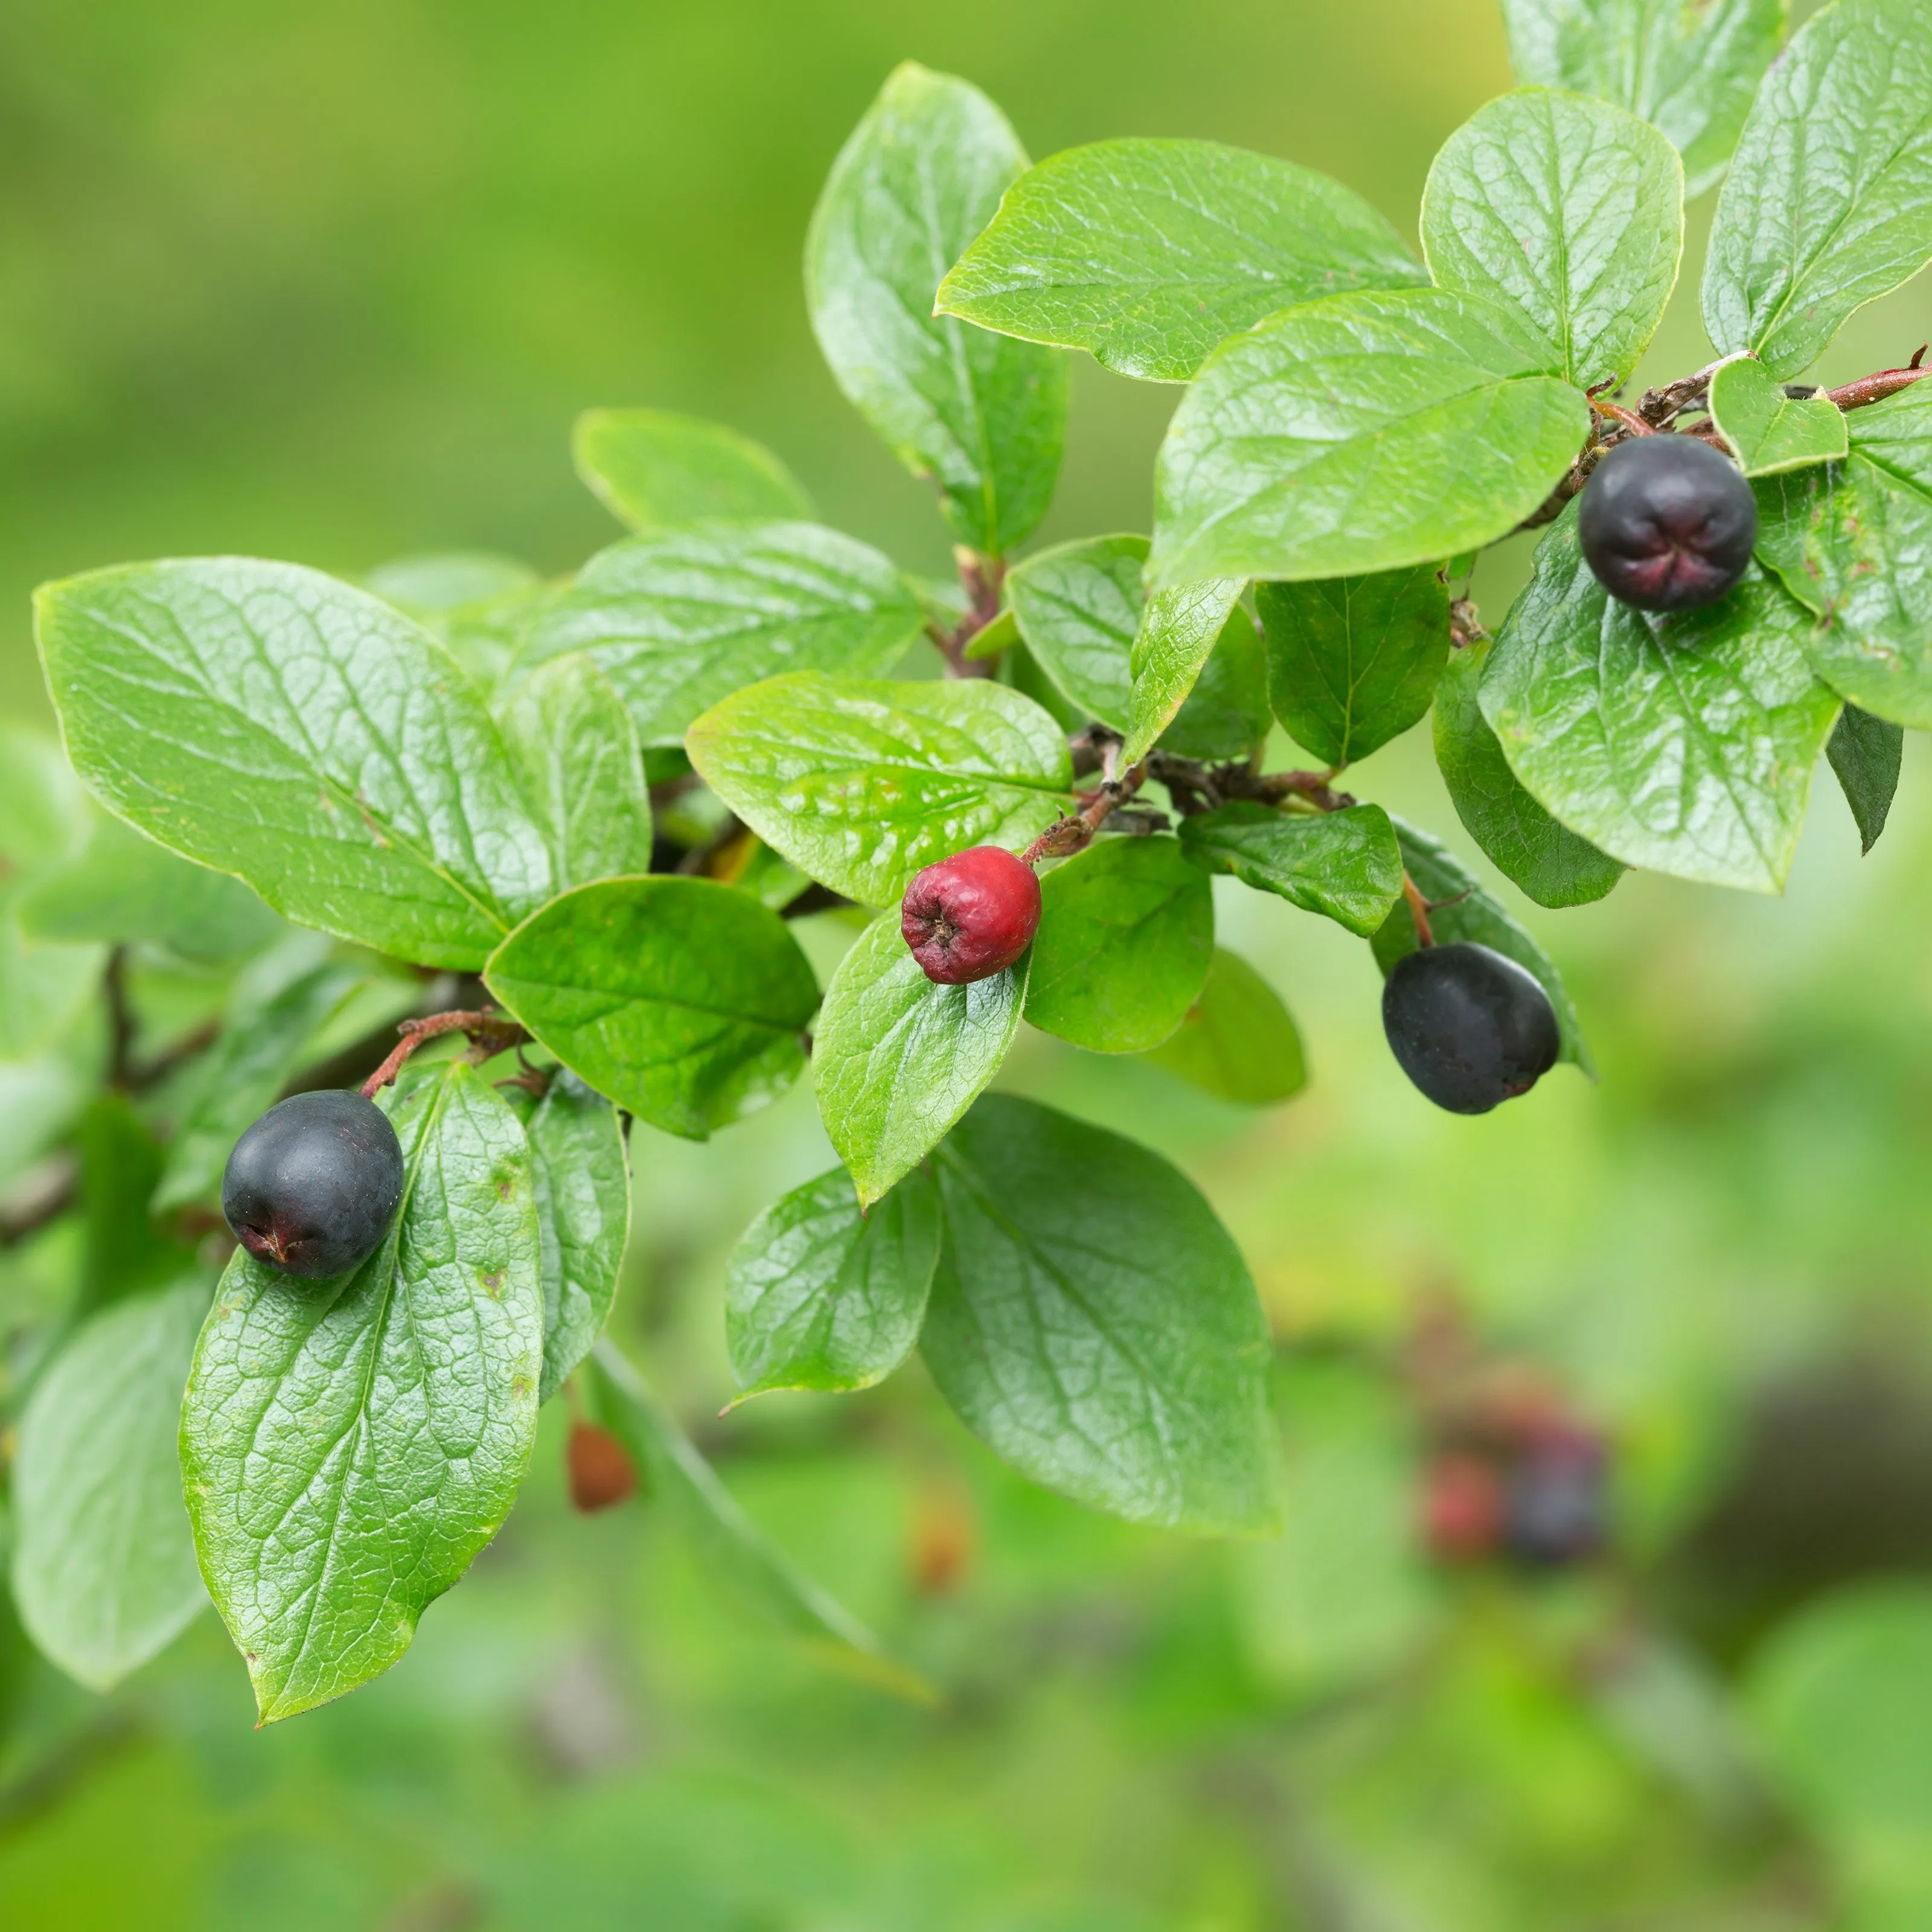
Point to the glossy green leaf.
(348, 1446)
(1363, 433)
(1180, 628)
(734, 1557)
(1353, 661)
(653, 467)
(862, 783)
(1150, 253)
(1570, 210)
(1126, 930)
(896, 1059)
(1866, 753)
(678, 618)
(264, 1035)
(271, 722)
(1095, 1325)
(1225, 714)
(1343, 864)
(683, 1000)
(574, 752)
(1022, 669)
(983, 415)
(822, 1294)
(582, 1182)
(1685, 743)
(1829, 201)
(1237, 1041)
(1460, 909)
(1689, 67)
(103, 1563)
(1534, 852)
(1853, 543)
(1767, 430)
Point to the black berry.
(312, 1186)
(1554, 1508)
(970, 915)
(1667, 522)
(1470, 1028)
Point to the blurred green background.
(329, 282)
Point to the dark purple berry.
(970, 915)
(1555, 1507)
(1667, 522)
(1470, 1028)
(312, 1186)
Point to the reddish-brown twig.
(490, 1032)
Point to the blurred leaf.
(651, 467)
(1237, 1041)
(897, 1059)
(44, 812)
(437, 582)
(1353, 661)
(1344, 865)
(752, 866)
(103, 1565)
(582, 1181)
(1095, 1325)
(1829, 201)
(683, 1000)
(1363, 432)
(1151, 253)
(1179, 629)
(678, 618)
(42, 985)
(348, 1446)
(984, 416)
(823, 1293)
(1126, 929)
(1570, 210)
(1459, 909)
(573, 751)
(737, 1560)
(1866, 753)
(862, 783)
(123, 1253)
(1682, 743)
(268, 721)
(1689, 70)
(1534, 851)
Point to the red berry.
(600, 1469)
(1461, 1507)
(970, 915)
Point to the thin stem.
(1874, 388)
(1065, 836)
(490, 1033)
(1418, 910)
(980, 577)
(121, 1022)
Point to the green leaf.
(1095, 1325)
(681, 999)
(862, 783)
(1829, 202)
(822, 1294)
(1180, 628)
(652, 467)
(678, 618)
(123, 1253)
(1689, 68)
(1150, 253)
(1866, 753)
(264, 1035)
(574, 752)
(583, 1187)
(121, 886)
(1343, 864)
(1363, 433)
(1853, 543)
(1768, 431)
(1226, 714)
(1459, 909)
(1126, 930)
(738, 1561)
(103, 1564)
(1681, 743)
(435, 582)
(44, 812)
(348, 1446)
(1534, 852)
(271, 722)
(1570, 210)
(984, 416)
(43, 986)
(897, 1059)
(1237, 1041)
(1353, 661)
